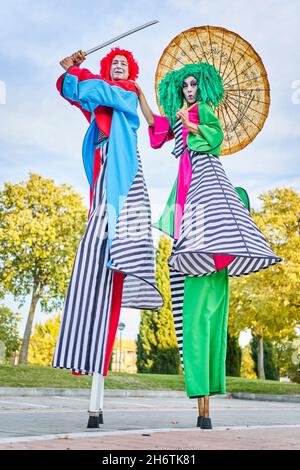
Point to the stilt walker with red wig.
(114, 264)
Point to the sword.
(104, 44)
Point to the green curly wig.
(210, 87)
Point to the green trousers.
(205, 316)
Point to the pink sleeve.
(161, 132)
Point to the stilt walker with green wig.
(209, 221)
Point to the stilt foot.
(93, 421)
(101, 417)
(199, 421)
(206, 423)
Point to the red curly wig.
(105, 64)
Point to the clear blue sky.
(42, 133)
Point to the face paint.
(119, 68)
(190, 89)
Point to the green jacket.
(210, 128)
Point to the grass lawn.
(38, 376)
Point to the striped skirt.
(215, 221)
(84, 329)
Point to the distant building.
(124, 356)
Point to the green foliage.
(157, 350)
(167, 358)
(233, 357)
(43, 341)
(270, 365)
(9, 330)
(40, 228)
(294, 373)
(166, 361)
(247, 365)
(146, 341)
(288, 358)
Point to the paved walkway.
(147, 423)
(264, 438)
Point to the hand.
(75, 59)
(66, 63)
(184, 116)
(137, 86)
(78, 57)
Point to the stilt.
(96, 402)
(206, 421)
(200, 411)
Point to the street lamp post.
(121, 327)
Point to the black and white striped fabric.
(177, 291)
(101, 137)
(85, 320)
(132, 248)
(82, 340)
(215, 221)
(179, 145)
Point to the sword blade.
(131, 31)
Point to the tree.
(247, 365)
(233, 357)
(166, 360)
(157, 344)
(146, 341)
(9, 330)
(288, 358)
(271, 366)
(43, 341)
(271, 371)
(268, 302)
(40, 227)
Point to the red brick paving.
(265, 438)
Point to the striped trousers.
(82, 341)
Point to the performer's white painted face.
(119, 68)
(190, 89)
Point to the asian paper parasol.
(246, 102)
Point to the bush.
(9, 331)
(233, 357)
